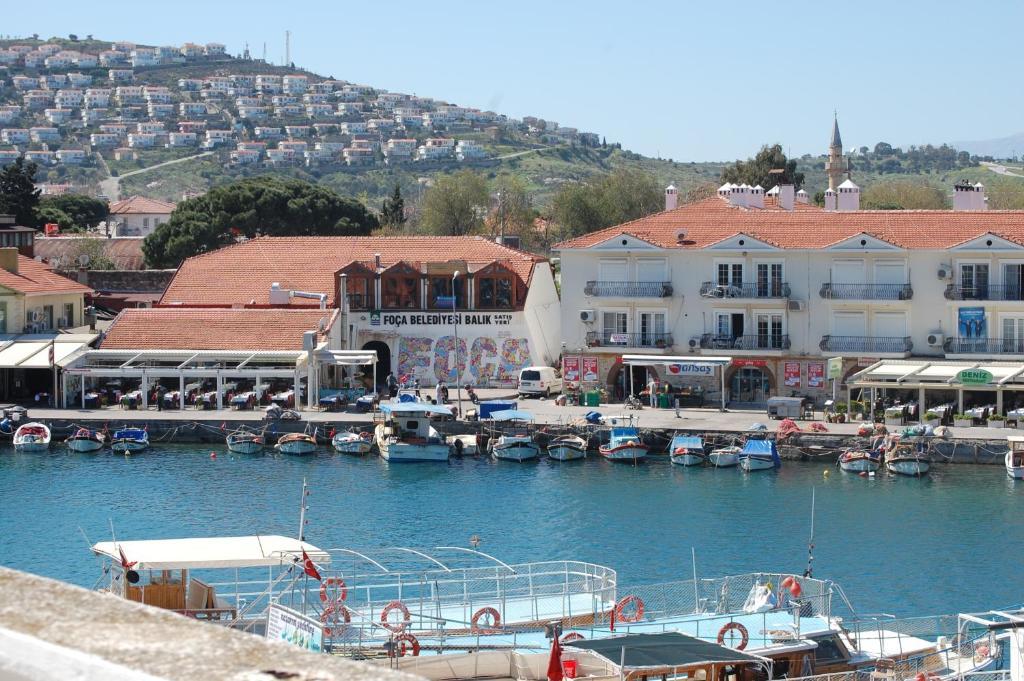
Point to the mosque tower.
(835, 168)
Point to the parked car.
(539, 381)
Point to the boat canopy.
(512, 415)
(687, 441)
(671, 650)
(414, 408)
(210, 552)
(762, 447)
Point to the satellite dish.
(83, 259)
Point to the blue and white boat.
(405, 434)
(759, 455)
(128, 440)
(624, 443)
(513, 441)
(687, 450)
(85, 441)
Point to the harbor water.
(952, 541)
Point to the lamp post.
(455, 324)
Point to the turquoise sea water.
(953, 541)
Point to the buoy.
(213, 455)
(863, 474)
(827, 473)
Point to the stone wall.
(126, 281)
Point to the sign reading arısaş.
(974, 377)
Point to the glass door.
(614, 327)
(652, 329)
(1013, 282)
(974, 281)
(769, 280)
(769, 331)
(1013, 335)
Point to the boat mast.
(302, 511)
(810, 542)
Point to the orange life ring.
(495, 620)
(620, 609)
(329, 582)
(679, 451)
(572, 636)
(734, 626)
(395, 605)
(328, 615)
(398, 648)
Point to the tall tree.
(18, 194)
(82, 212)
(513, 212)
(755, 171)
(455, 204)
(265, 206)
(903, 195)
(392, 212)
(611, 199)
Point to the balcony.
(710, 341)
(606, 339)
(868, 345)
(982, 292)
(832, 291)
(628, 289)
(984, 346)
(774, 289)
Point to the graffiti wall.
(480, 359)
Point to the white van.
(539, 381)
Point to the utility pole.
(287, 48)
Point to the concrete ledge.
(52, 630)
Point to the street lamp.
(455, 323)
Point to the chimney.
(830, 200)
(9, 259)
(671, 197)
(83, 276)
(756, 197)
(376, 262)
(802, 197)
(278, 295)
(967, 196)
(848, 196)
(786, 194)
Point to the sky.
(691, 81)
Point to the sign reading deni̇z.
(975, 377)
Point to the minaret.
(834, 167)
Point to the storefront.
(704, 368)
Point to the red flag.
(555, 661)
(124, 560)
(309, 567)
(331, 433)
(224, 425)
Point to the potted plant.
(931, 418)
(996, 421)
(894, 419)
(962, 421)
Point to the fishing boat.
(1015, 457)
(356, 444)
(296, 443)
(687, 450)
(860, 461)
(725, 457)
(513, 440)
(245, 442)
(759, 455)
(129, 440)
(405, 433)
(905, 459)
(32, 437)
(85, 441)
(624, 443)
(567, 448)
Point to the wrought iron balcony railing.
(711, 341)
(629, 289)
(867, 344)
(984, 346)
(834, 291)
(605, 339)
(984, 292)
(766, 289)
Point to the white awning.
(347, 357)
(32, 351)
(211, 552)
(662, 360)
(920, 373)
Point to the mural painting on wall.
(485, 358)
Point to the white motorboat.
(624, 443)
(245, 442)
(85, 441)
(299, 444)
(567, 448)
(32, 437)
(356, 444)
(514, 440)
(903, 459)
(129, 440)
(464, 445)
(724, 457)
(687, 450)
(405, 435)
(1015, 457)
(860, 461)
(759, 455)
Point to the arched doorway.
(754, 384)
(383, 359)
(618, 379)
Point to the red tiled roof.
(241, 274)
(712, 220)
(60, 252)
(35, 277)
(206, 329)
(140, 204)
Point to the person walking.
(652, 388)
(160, 392)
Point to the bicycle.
(633, 402)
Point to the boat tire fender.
(734, 626)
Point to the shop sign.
(791, 374)
(693, 369)
(750, 362)
(816, 375)
(571, 368)
(974, 377)
(294, 628)
(835, 368)
(590, 369)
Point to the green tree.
(455, 204)
(607, 200)
(392, 212)
(18, 194)
(51, 214)
(1006, 194)
(90, 251)
(513, 212)
(265, 205)
(755, 171)
(83, 212)
(903, 195)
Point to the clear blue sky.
(684, 80)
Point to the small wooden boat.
(860, 461)
(245, 442)
(85, 441)
(567, 448)
(724, 457)
(903, 459)
(624, 443)
(464, 445)
(515, 441)
(129, 440)
(356, 444)
(759, 455)
(1015, 457)
(296, 443)
(687, 450)
(32, 437)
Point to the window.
(145, 222)
(769, 331)
(401, 292)
(48, 317)
(1013, 280)
(652, 328)
(359, 293)
(613, 324)
(494, 292)
(974, 281)
(769, 279)
(1013, 335)
(439, 293)
(730, 274)
(69, 315)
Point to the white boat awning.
(211, 552)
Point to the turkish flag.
(124, 560)
(309, 567)
(555, 662)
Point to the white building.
(139, 216)
(467, 150)
(399, 150)
(436, 148)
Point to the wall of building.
(138, 224)
(18, 303)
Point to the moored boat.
(464, 445)
(296, 443)
(725, 457)
(245, 442)
(1015, 457)
(904, 459)
(85, 441)
(128, 440)
(514, 442)
(32, 437)
(860, 461)
(624, 443)
(687, 450)
(356, 444)
(567, 448)
(405, 435)
(759, 455)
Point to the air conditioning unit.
(796, 306)
(588, 316)
(945, 271)
(936, 339)
(693, 343)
